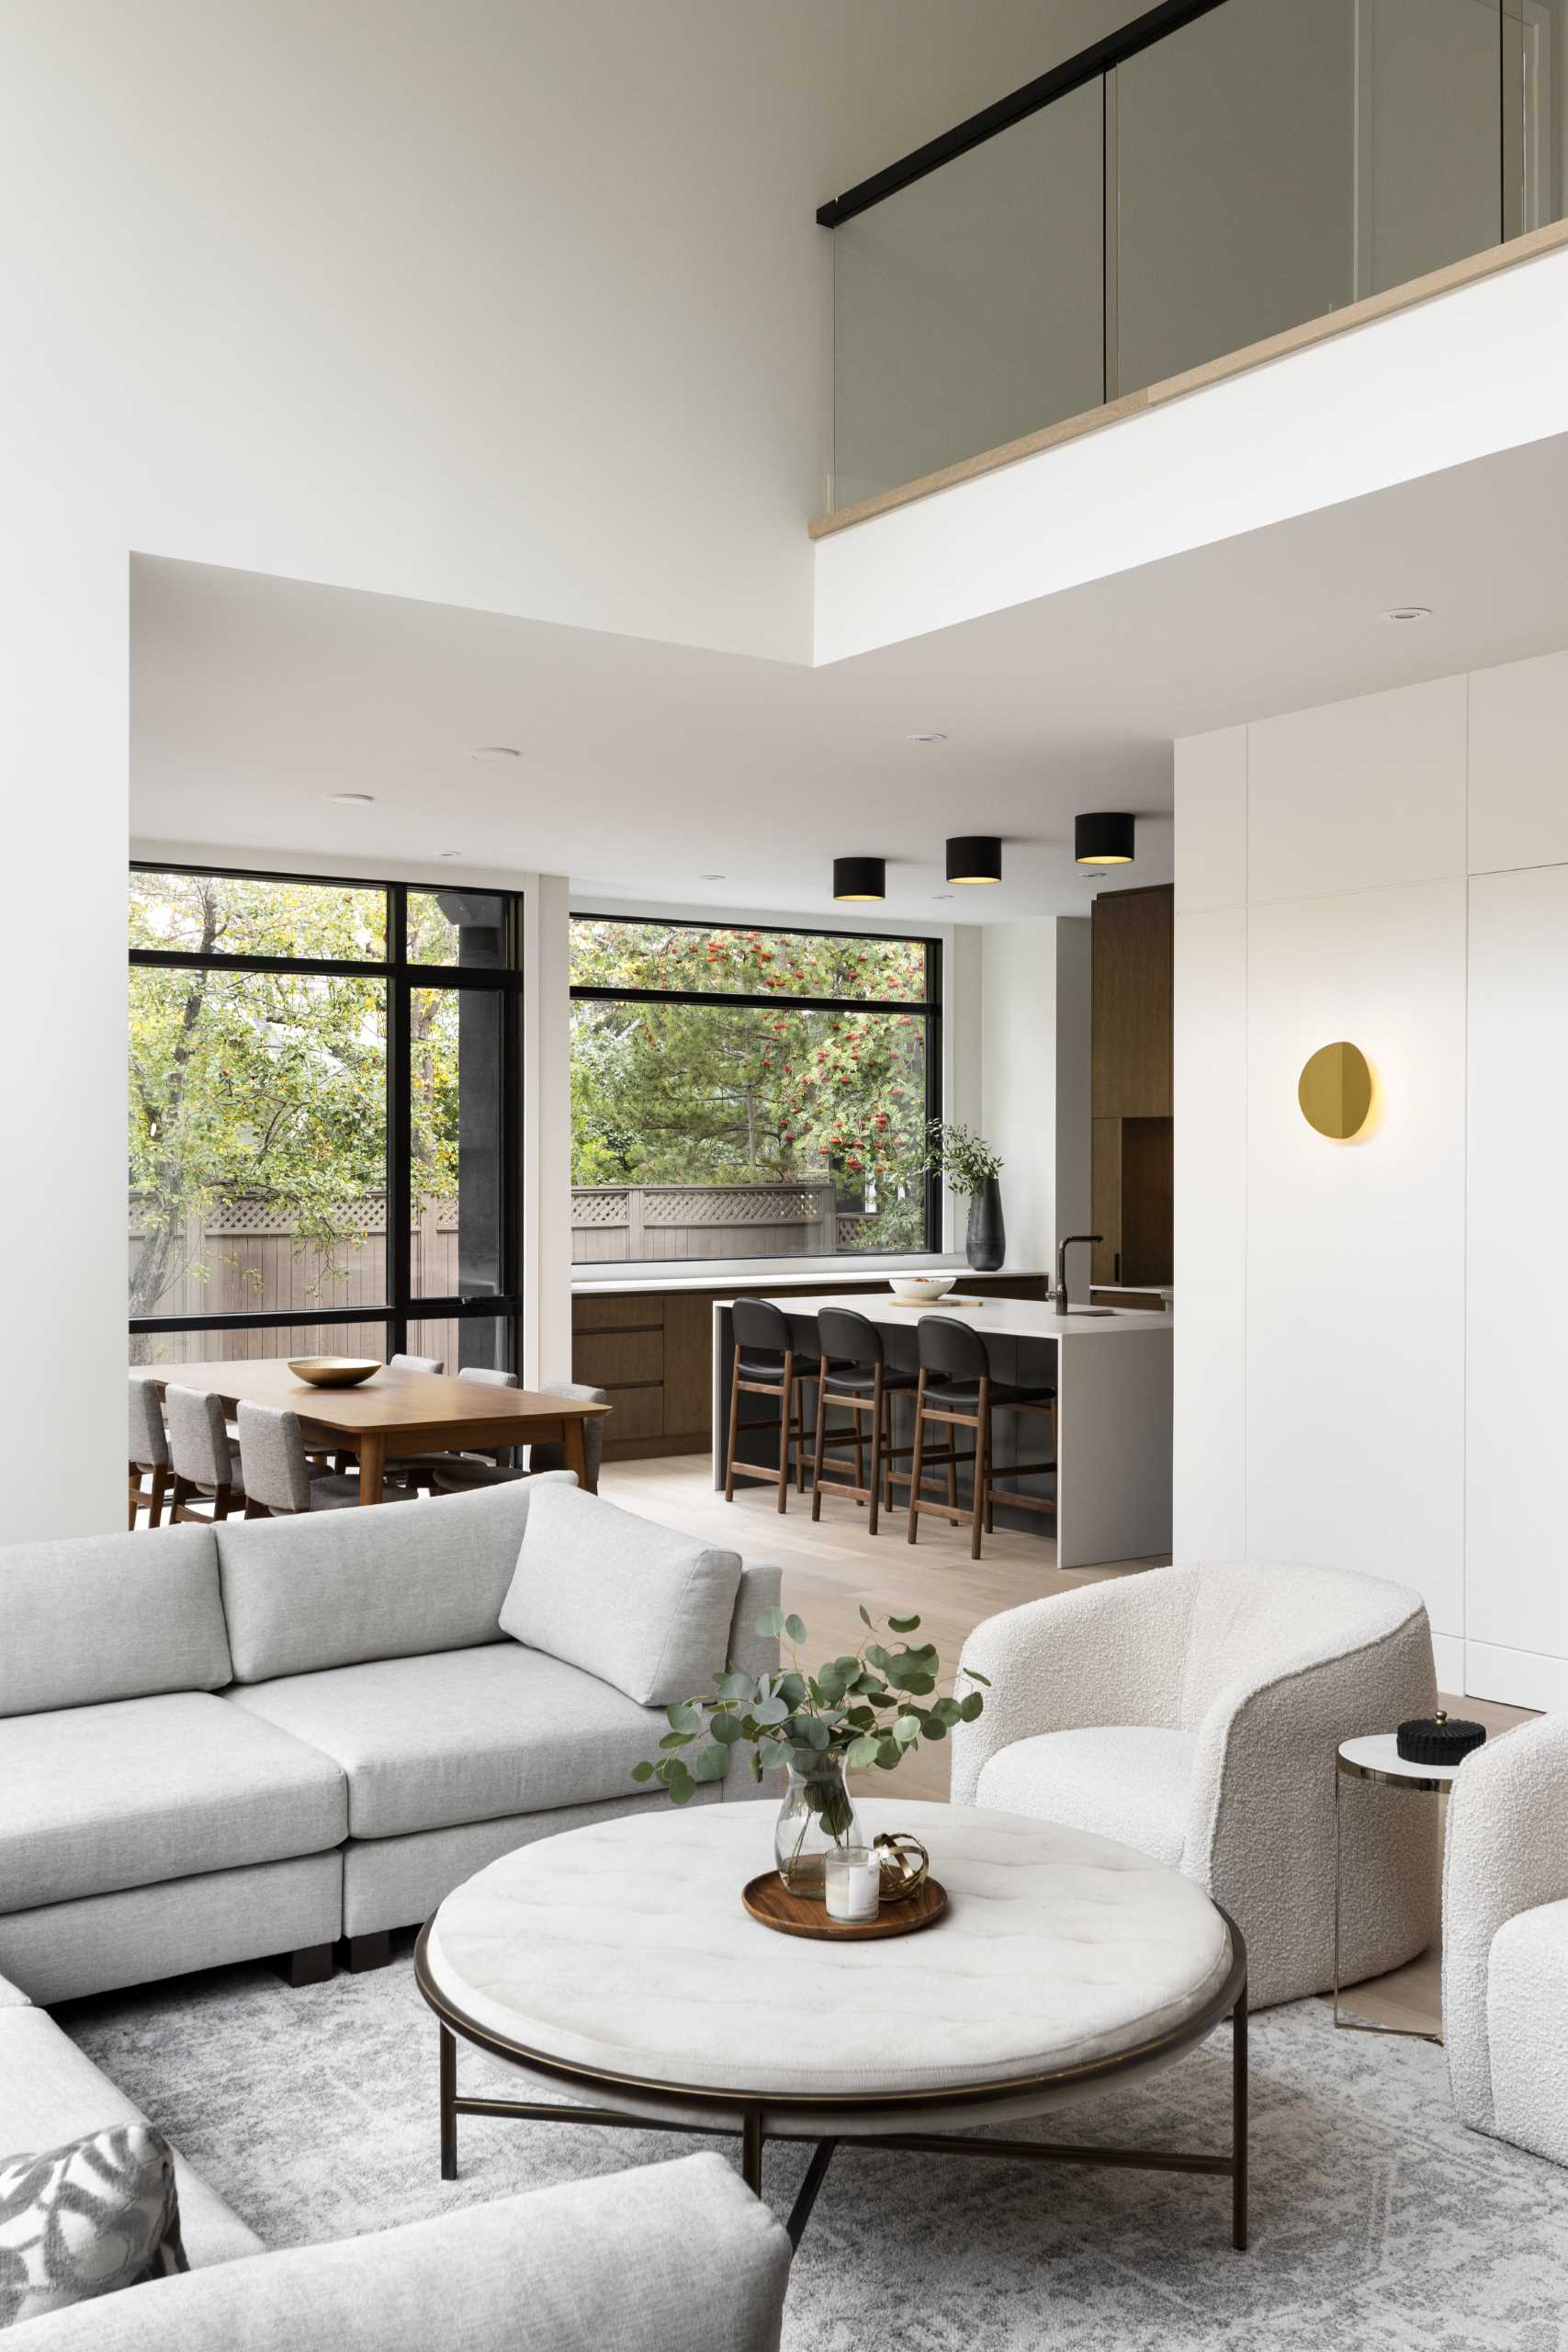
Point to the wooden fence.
(244, 1257)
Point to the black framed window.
(741, 1091)
(324, 1118)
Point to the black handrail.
(1144, 31)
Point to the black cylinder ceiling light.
(974, 857)
(1103, 838)
(859, 878)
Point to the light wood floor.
(831, 1568)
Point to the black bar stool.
(856, 1374)
(765, 1366)
(956, 1389)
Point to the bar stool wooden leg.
(734, 1425)
(786, 1393)
(915, 1458)
(800, 1380)
(821, 1440)
(876, 1445)
(982, 1468)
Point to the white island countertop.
(1009, 1318)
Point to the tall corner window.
(739, 1092)
(323, 1119)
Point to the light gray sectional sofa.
(672, 2253)
(227, 1743)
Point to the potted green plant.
(968, 1166)
(871, 1706)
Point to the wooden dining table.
(397, 1412)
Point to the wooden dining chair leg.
(876, 1401)
(133, 1496)
(734, 1426)
(785, 1395)
(914, 1459)
(160, 1486)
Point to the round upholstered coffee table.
(615, 1964)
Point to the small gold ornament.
(903, 1862)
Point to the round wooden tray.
(768, 1899)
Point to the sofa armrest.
(1261, 1824)
(751, 1653)
(1507, 1852)
(671, 2253)
(1110, 1653)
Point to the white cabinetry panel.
(1518, 764)
(1357, 795)
(1355, 1256)
(1209, 1506)
(1516, 1484)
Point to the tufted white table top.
(623, 1948)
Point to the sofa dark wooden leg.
(361, 1952)
(312, 1965)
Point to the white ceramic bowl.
(920, 1290)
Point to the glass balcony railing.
(1218, 171)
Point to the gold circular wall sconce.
(1335, 1091)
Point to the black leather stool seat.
(965, 1394)
(859, 1379)
(768, 1367)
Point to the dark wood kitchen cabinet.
(1130, 1084)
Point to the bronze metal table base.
(738, 2116)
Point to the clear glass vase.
(816, 1815)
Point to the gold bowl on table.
(332, 1371)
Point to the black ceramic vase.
(986, 1241)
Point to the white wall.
(1368, 1368)
(1034, 1106)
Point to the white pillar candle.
(851, 1885)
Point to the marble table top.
(623, 1948)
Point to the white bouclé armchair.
(1195, 1713)
(1506, 1938)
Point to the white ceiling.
(646, 768)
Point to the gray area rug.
(1377, 2221)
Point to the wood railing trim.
(1474, 267)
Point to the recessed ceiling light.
(931, 735)
(1409, 613)
(451, 853)
(713, 878)
(945, 894)
(354, 800)
(495, 751)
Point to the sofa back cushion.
(641, 1607)
(110, 1617)
(337, 1587)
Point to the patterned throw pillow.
(86, 2217)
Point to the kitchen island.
(1112, 1377)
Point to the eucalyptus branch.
(871, 1705)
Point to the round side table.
(1376, 1757)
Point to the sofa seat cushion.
(461, 1735)
(93, 1799)
(50, 2091)
(1129, 1782)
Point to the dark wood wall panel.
(1131, 1084)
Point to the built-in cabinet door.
(1131, 1085)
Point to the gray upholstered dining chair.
(460, 1473)
(278, 1479)
(425, 1469)
(417, 1364)
(203, 1456)
(149, 1454)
